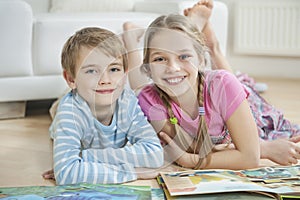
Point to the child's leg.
(132, 35)
(200, 14)
(131, 38)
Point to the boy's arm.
(70, 167)
(144, 150)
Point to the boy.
(100, 133)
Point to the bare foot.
(132, 35)
(200, 13)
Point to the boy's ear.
(69, 79)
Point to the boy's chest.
(100, 139)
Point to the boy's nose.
(104, 79)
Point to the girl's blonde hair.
(181, 23)
(92, 37)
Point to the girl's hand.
(173, 153)
(49, 174)
(281, 151)
(295, 139)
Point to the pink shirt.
(223, 93)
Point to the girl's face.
(174, 63)
(100, 79)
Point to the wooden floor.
(26, 150)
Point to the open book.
(273, 181)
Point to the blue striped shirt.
(84, 150)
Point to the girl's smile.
(175, 80)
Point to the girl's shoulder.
(218, 75)
(149, 92)
(221, 79)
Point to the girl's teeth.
(174, 80)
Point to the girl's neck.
(188, 102)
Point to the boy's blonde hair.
(183, 24)
(92, 37)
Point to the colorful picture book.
(78, 191)
(271, 181)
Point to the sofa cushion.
(52, 30)
(91, 5)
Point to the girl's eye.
(115, 69)
(158, 59)
(184, 57)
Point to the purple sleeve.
(226, 93)
(151, 104)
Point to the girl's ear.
(207, 64)
(69, 79)
(146, 69)
(204, 62)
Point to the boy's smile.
(107, 91)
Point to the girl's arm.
(244, 136)
(281, 151)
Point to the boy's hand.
(146, 173)
(49, 174)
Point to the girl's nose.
(173, 66)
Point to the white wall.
(260, 65)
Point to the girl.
(195, 109)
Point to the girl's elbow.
(252, 161)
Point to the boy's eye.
(115, 67)
(91, 71)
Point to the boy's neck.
(105, 114)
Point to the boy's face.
(99, 79)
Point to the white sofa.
(34, 31)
